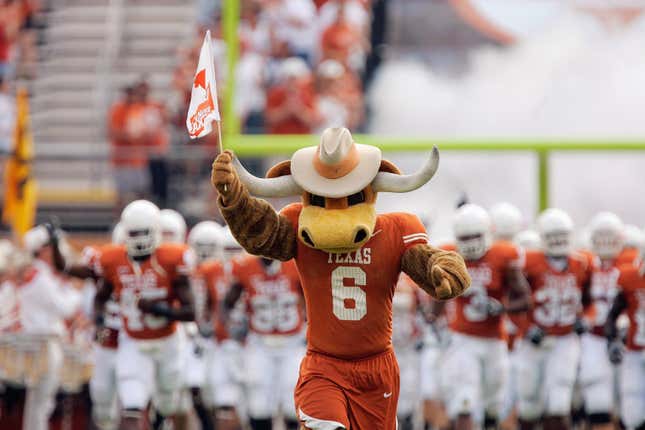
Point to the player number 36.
(349, 303)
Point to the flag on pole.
(19, 208)
(203, 108)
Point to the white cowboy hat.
(337, 167)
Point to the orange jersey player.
(549, 354)
(476, 378)
(349, 259)
(275, 344)
(150, 282)
(631, 301)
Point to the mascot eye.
(355, 199)
(315, 200)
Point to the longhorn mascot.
(349, 259)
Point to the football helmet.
(118, 234)
(472, 228)
(556, 230)
(633, 237)
(528, 239)
(141, 221)
(606, 234)
(173, 226)
(207, 240)
(231, 246)
(506, 220)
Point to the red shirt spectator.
(338, 41)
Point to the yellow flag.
(19, 209)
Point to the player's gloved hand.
(449, 275)
(225, 179)
(615, 350)
(494, 307)
(53, 233)
(206, 330)
(156, 308)
(580, 326)
(535, 335)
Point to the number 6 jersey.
(349, 296)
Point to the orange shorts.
(353, 394)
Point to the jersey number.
(349, 303)
(475, 310)
(557, 306)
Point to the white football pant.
(272, 365)
(546, 376)
(474, 376)
(103, 388)
(151, 366)
(632, 389)
(596, 375)
(225, 371)
(410, 369)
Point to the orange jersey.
(628, 256)
(211, 284)
(603, 289)
(470, 315)
(556, 295)
(406, 302)
(151, 279)
(632, 284)
(273, 300)
(349, 296)
(108, 335)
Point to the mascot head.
(338, 181)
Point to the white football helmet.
(173, 226)
(207, 240)
(118, 234)
(606, 234)
(231, 246)
(472, 228)
(556, 232)
(528, 239)
(633, 237)
(141, 221)
(507, 221)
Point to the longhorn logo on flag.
(203, 108)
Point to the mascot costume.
(349, 259)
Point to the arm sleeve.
(60, 297)
(259, 228)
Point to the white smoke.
(578, 80)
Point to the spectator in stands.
(343, 41)
(340, 99)
(291, 104)
(146, 127)
(293, 23)
(7, 116)
(11, 15)
(128, 161)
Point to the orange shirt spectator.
(291, 104)
(338, 41)
(122, 152)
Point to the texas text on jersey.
(352, 293)
(557, 295)
(273, 300)
(151, 279)
(469, 314)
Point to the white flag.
(203, 108)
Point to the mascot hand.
(449, 275)
(225, 178)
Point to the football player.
(150, 282)
(596, 371)
(634, 242)
(631, 300)
(209, 286)
(476, 377)
(548, 355)
(406, 338)
(506, 221)
(276, 343)
(528, 239)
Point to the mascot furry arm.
(262, 231)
